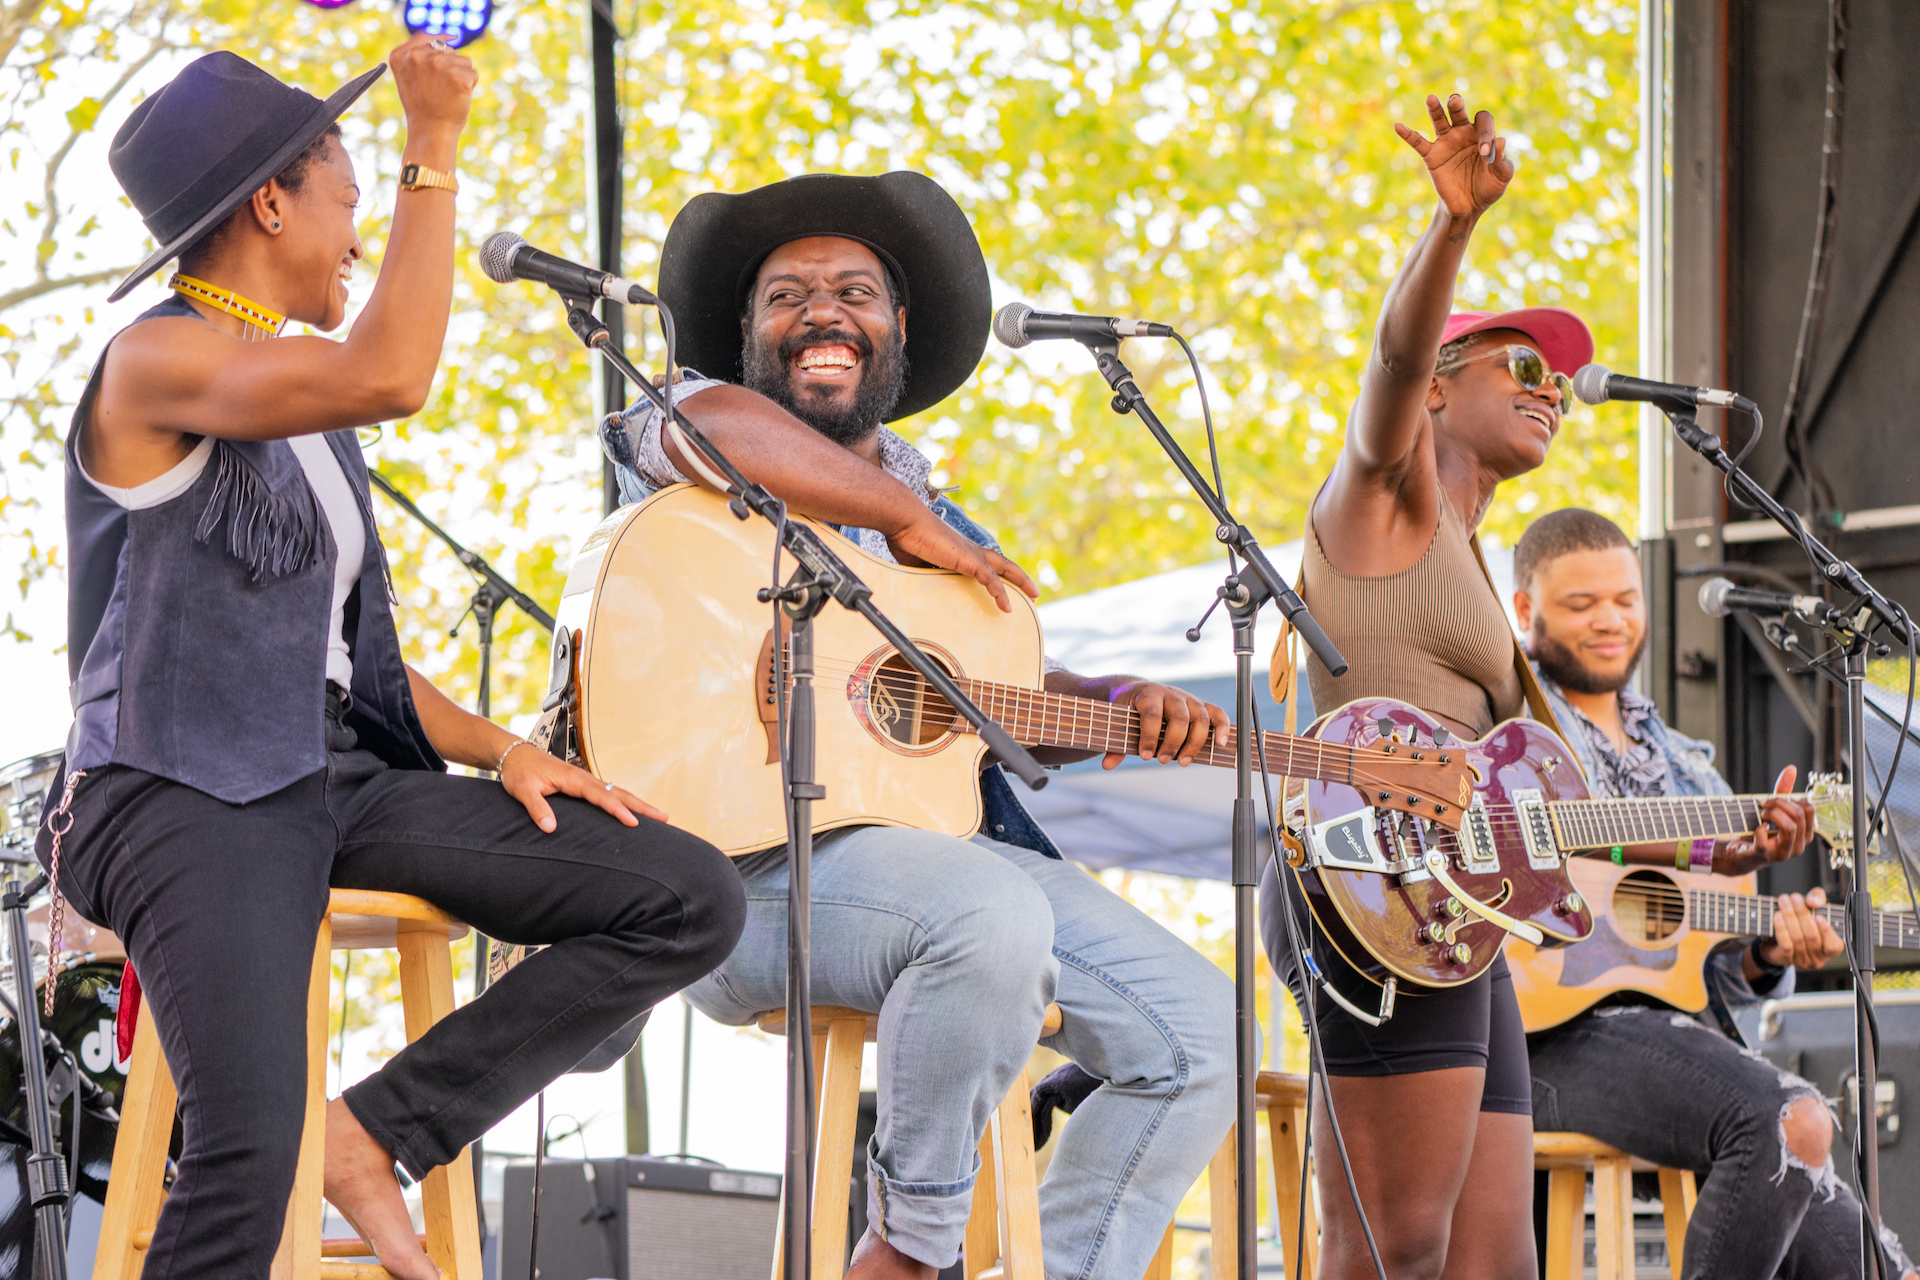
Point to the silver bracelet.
(501, 763)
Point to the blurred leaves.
(1228, 169)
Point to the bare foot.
(875, 1259)
(359, 1182)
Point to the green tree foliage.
(1228, 168)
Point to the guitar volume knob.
(1453, 909)
(1460, 953)
(1435, 932)
(1571, 904)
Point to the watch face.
(409, 174)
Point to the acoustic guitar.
(1653, 930)
(665, 657)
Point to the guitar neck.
(1751, 915)
(1038, 718)
(1601, 824)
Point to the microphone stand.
(1243, 593)
(821, 577)
(489, 594)
(46, 1170)
(1850, 629)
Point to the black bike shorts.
(1476, 1024)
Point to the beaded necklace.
(260, 323)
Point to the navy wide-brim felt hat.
(195, 150)
(717, 242)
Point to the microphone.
(1597, 384)
(505, 257)
(1719, 598)
(1018, 324)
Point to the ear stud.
(276, 224)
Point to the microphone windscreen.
(1590, 384)
(1713, 595)
(496, 256)
(1010, 324)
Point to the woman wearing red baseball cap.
(1450, 405)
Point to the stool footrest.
(351, 1247)
(354, 1271)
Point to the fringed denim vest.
(197, 629)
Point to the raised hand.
(1466, 161)
(435, 84)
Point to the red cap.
(1561, 336)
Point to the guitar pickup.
(1536, 829)
(1479, 855)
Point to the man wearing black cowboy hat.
(842, 303)
(245, 733)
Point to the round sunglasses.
(1527, 367)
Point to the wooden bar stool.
(1284, 1099)
(356, 919)
(1568, 1158)
(1003, 1231)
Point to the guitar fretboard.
(1751, 915)
(1601, 824)
(1036, 717)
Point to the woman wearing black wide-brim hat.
(245, 732)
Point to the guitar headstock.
(1435, 783)
(1832, 801)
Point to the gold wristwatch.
(415, 176)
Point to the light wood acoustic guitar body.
(1653, 930)
(673, 655)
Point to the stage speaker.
(1812, 1036)
(638, 1218)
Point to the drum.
(85, 1007)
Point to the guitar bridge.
(1536, 829)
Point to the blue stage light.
(458, 22)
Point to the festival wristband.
(1619, 855)
(1681, 860)
(1700, 858)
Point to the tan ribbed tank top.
(1432, 634)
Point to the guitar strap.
(1536, 697)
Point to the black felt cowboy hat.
(717, 242)
(191, 153)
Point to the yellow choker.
(261, 323)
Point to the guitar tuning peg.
(1440, 736)
(1385, 726)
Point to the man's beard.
(883, 376)
(1563, 665)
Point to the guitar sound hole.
(904, 706)
(1648, 907)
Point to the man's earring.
(276, 224)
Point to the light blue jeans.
(959, 946)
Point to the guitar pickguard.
(1606, 951)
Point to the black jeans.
(219, 904)
(1666, 1088)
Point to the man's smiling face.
(823, 337)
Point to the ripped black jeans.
(1669, 1089)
